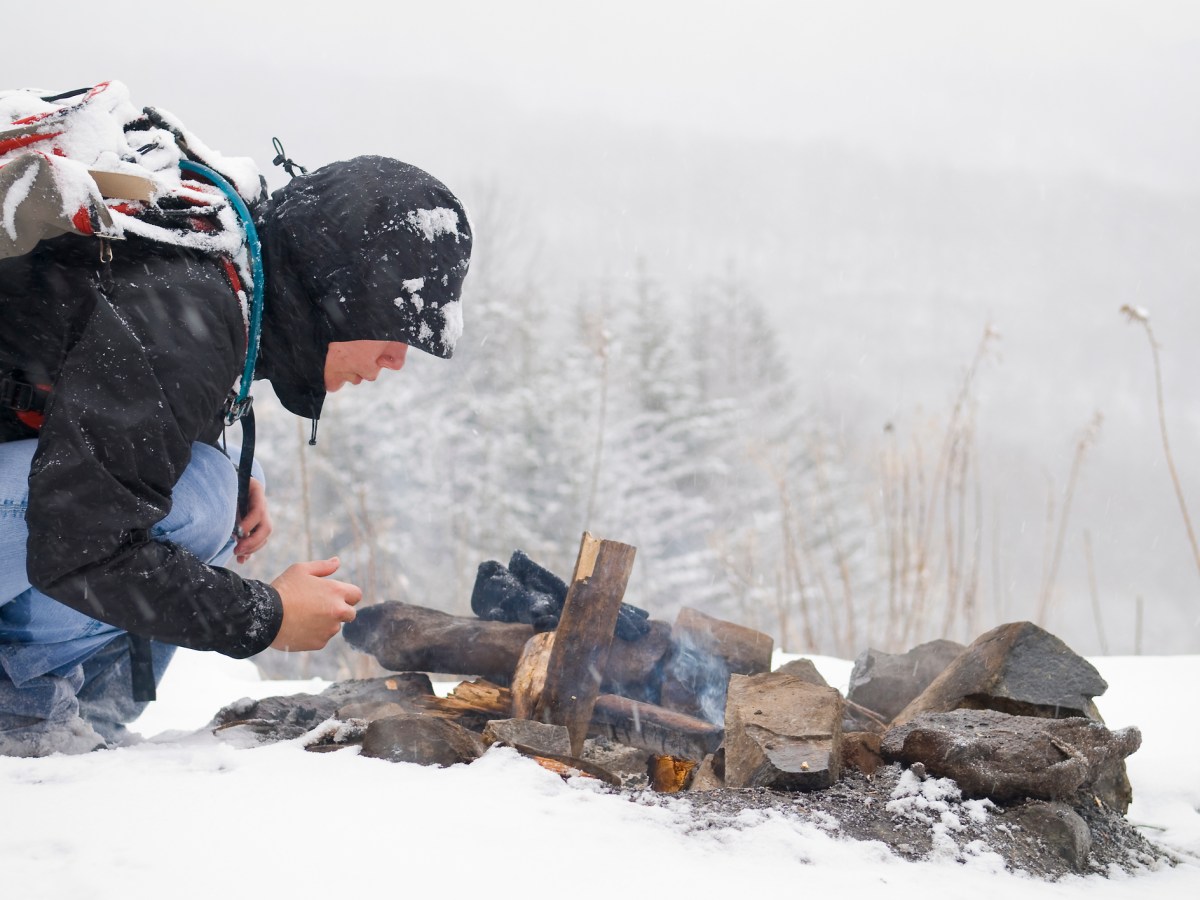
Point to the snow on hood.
(366, 249)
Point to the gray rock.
(1017, 668)
(370, 711)
(781, 732)
(1003, 757)
(275, 718)
(710, 774)
(420, 739)
(1058, 828)
(860, 751)
(289, 717)
(887, 682)
(805, 670)
(528, 736)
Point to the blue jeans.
(56, 663)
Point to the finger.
(347, 614)
(254, 541)
(320, 567)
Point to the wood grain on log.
(585, 631)
(529, 678)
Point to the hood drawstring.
(312, 440)
(290, 166)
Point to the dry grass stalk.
(1091, 570)
(1139, 315)
(1086, 440)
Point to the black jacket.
(142, 355)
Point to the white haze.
(889, 178)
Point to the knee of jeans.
(203, 504)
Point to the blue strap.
(256, 270)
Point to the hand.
(314, 606)
(255, 527)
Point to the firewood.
(407, 638)
(529, 678)
(654, 728)
(568, 767)
(641, 725)
(471, 704)
(585, 631)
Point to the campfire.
(695, 706)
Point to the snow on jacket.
(142, 355)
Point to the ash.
(927, 819)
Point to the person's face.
(353, 362)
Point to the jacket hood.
(366, 249)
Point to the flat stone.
(1002, 757)
(529, 736)
(1060, 829)
(400, 688)
(885, 683)
(370, 711)
(425, 740)
(781, 732)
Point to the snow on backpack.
(89, 162)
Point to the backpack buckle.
(234, 408)
(16, 395)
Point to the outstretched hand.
(254, 528)
(314, 606)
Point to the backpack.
(89, 162)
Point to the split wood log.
(654, 728)
(529, 679)
(472, 704)
(585, 630)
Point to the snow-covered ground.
(185, 815)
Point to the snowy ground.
(185, 815)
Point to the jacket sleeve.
(117, 436)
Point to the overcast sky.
(1108, 86)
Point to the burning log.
(579, 652)
(669, 775)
